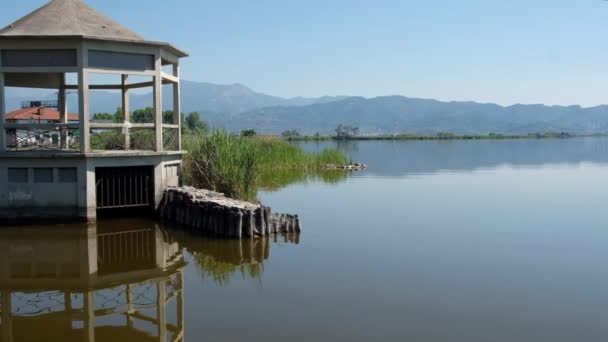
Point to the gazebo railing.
(42, 137)
(21, 137)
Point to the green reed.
(237, 166)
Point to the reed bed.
(237, 166)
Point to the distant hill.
(237, 107)
(398, 114)
(196, 96)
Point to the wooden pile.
(213, 213)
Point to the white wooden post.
(2, 110)
(126, 110)
(63, 113)
(177, 115)
(158, 103)
(2, 114)
(83, 100)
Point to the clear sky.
(509, 51)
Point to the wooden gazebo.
(63, 39)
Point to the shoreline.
(446, 137)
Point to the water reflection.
(219, 260)
(398, 158)
(279, 179)
(93, 283)
(118, 280)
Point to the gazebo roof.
(64, 19)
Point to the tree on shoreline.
(344, 132)
(194, 123)
(291, 133)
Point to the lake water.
(436, 241)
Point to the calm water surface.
(437, 241)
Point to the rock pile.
(347, 167)
(215, 214)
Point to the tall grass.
(223, 163)
(238, 166)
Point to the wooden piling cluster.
(215, 214)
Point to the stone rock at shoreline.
(213, 213)
(346, 167)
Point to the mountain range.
(236, 107)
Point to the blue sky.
(510, 51)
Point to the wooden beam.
(117, 86)
(41, 126)
(172, 126)
(121, 72)
(42, 70)
(140, 85)
(97, 86)
(103, 125)
(170, 78)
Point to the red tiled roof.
(38, 113)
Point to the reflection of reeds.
(236, 165)
(275, 180)
(219, 260)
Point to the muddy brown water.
(436, 241)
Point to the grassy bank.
(443, 136)
(238, 166)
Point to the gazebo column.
(180, 302)
(89, 313)
(83, 100)
(126, 110)
(161, 301)
(63, 114)
(158, 103)
(2, 113)
(177, 120)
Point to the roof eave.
(178, 52)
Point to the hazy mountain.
(196, 96)
(237, 107)
(397, 114)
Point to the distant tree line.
(191, 122)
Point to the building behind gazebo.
(79, 173)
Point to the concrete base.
(39, 186)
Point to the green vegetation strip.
(238, 165)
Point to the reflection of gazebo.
(60, 47)
(81, 284)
